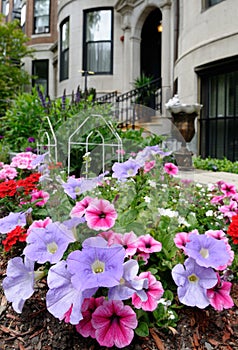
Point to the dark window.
(209, 3)
(64, 50)
(219, 116)
(98, 44)
(41, 16)
(40, 71)
(16, 13)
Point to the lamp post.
(86, 73)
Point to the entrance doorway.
(151, 45)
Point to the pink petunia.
(80, 208)
(100, 215)
(171, 169)
(85, 327)
(42, 195)
(228, 189)
(129, 240)
(39, 224)
(219, 296)
(181, 238)
(114, 323)
(147, 244)
(154, 293)
(149, 165)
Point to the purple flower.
(129, 284)
(193, 281)
(28, 149)
(62, 298)
(40, 158)
(8, 223)
(18, 285)
(207, 251)
(74, 187)
(122, 171)
(31, 139)
(49, 243)
(148, 154)
(96, 266)
(1, 137)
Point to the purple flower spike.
(49, 243)
(193, 281)
(207, 251)
(96, 266)
(31, 139)
(18, 285)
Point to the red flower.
(7, 188)
(29, 183)
(233, 229)
(17, 235)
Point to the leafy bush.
(214, 164)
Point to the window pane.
(99, 25)
(65, 36)
(41, 16)
(99, 57)
(42, 7)
(40, 70)
(98, 41)
(64, 50)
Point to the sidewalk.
(205, 177)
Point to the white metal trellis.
(117, 145)
(48, 137)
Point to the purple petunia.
(49, 243)
(62, 299)
(207, 251)
(129, 283)
(11, 221)
(18, 285)
(122, 171)
(96, 265)
(193, 281)
(74, 187)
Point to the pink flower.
(23, 160)
(39, 224)
(79, 209)
(218, 199)
(171, 169)
(180, 239)
(7, 172)
(154, 293)
(85, 327)
(228, 189)
(42, 195)
(149, 165)
(219, 296)
(129, 241)
(109, 236)
(147, 244)
(114, 323)
(100, 215)
(229, 210)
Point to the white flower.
(182, 221)
(168, 212)
(209, 213)
(152, 183)
(147, 199)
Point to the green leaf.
(128, 217)
(142, 330)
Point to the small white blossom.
(147, 199)
(209, 213)
(168, 212)
(152, 183)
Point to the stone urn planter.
(183, 117)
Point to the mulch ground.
(36, 329)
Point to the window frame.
(35, 28)
(85, 43)
(34, 81)
(206, 4)
(64, 52)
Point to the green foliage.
(214, 164)
(145, 90)
(13, 49)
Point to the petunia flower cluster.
(207, 255)
(108, 258)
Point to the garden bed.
(37, 329)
